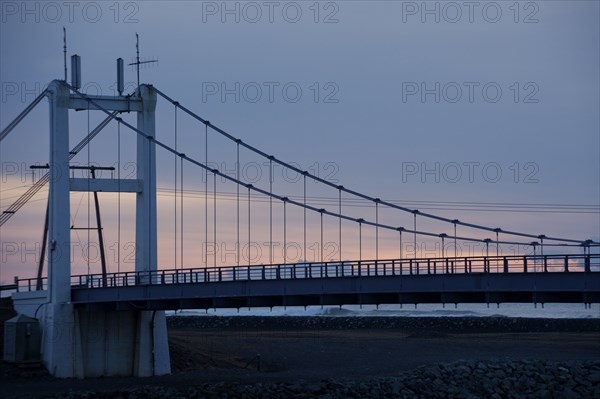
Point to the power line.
(365, 204)
(321, 201)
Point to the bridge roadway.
(525, 279)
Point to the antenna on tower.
(137, 62)
(65, 51)
(120, 76)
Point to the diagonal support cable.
(37, 186)
(22, 115)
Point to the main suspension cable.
(312, 208)
(355, 193)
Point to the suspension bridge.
(113, 323)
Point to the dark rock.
(461, 380)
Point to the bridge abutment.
(122, 343)
(80, 343)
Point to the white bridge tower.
(82, 342)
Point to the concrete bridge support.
(81, 343)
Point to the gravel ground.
(350, 357)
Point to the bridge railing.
(311, 270)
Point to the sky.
(486, 112)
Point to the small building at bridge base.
(79, 343)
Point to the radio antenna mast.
(65, 51)
(137, 62)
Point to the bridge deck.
(541, 279)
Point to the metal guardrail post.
(566, 263)
(429, 266)
(446, 264)
(505, 261)
(410, 265)
(545, 263)
(587, 263)
(524, 264)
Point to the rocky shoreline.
(409, 324)
(460, 380)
